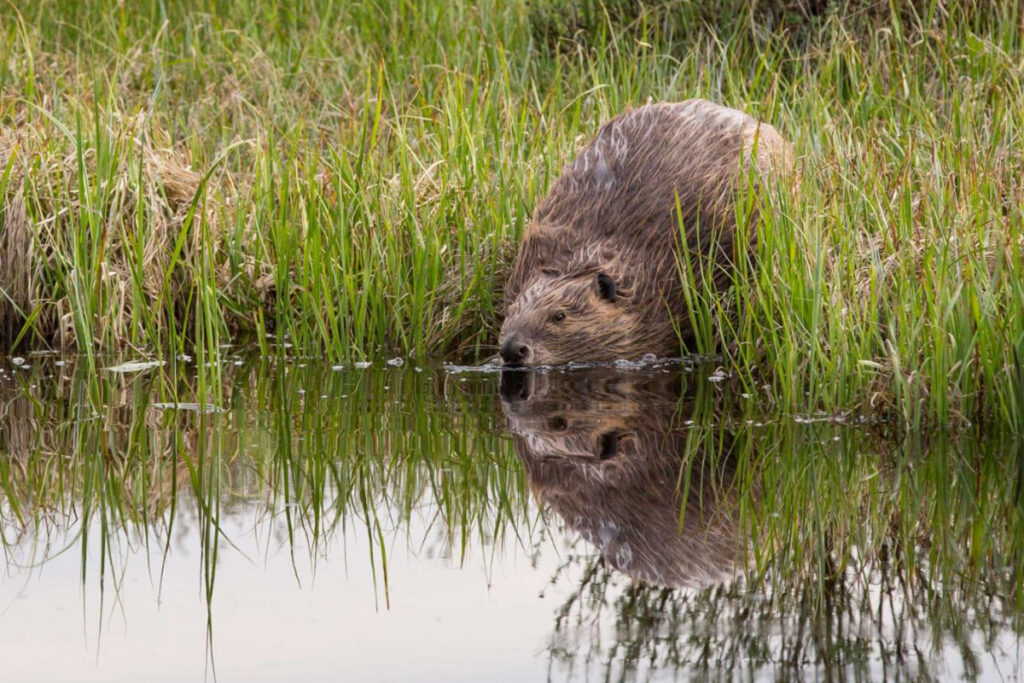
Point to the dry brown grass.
(17, 282)
(145, 198)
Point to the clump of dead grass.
(123, 216)
(17, 277)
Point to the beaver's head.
(559, 318)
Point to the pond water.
(259, 519)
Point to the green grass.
(354, 178)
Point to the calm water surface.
(262, 520)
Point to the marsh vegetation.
(355, 177)
(219, 220)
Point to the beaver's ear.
(606, 287)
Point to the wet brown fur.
(614, 210)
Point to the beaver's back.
(615, 206)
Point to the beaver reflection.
(606, 451)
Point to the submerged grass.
(353, 178)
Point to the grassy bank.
(355, 178)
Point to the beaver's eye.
(608, 446)
(558, 424)
(558, 317)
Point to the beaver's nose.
(514, 351)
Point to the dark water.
(261, 520)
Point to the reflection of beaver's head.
(605, 456)
(588, 415)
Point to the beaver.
(597, 276)
(604, 450)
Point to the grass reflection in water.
(678, 529)
(866, 559)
